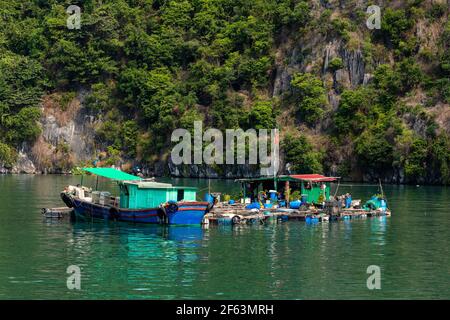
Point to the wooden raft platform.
(226, 214)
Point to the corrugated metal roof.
(313, 177)
(295, 177)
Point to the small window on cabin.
(180, 194)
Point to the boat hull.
(186, 213)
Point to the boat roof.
(313, 177)
(127, 178)
(155, 185)
(112, 174)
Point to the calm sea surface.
(289, 260)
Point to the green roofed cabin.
(137, 193)
(149, 194)
(311, 186)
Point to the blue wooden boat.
(140, 201)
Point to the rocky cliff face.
(68, 132)
(67, 138)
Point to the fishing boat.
(140, 201)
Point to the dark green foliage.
(440, 150)
(100, 98)
(20, 93)
(7, 155)
(388, 84)
(301, 155)
(394, 25)
(415, 164)
(262, 116)
(437, 10)
(152, 66)
(309, 96)
(445, 55)
(342, 26)
(354, 106)
(335, 64)
(129, 135)
(409, 74)
(120, 136)
(22, 127)
(373, 149)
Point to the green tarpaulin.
(112, 174)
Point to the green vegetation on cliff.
(151, 66)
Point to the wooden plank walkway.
(225, 214)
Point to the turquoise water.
(289, 260)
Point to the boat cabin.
(309, 186)
(137, 193)
(150, 194)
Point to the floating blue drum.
(254, 205)
(304, 198)
(295, 204)
(209, 198)
(273, 194)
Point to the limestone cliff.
(336, 46)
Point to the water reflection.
(142, 259)
(378, 227)
(290, 260)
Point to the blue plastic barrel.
(304, 198)
(383, 204)
(254, 205)
(308, 219)
(295, 204)
(209, 198)
(231, 202)
(314, 220)
(273, 195)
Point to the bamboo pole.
(337, 188)
(382, 193)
